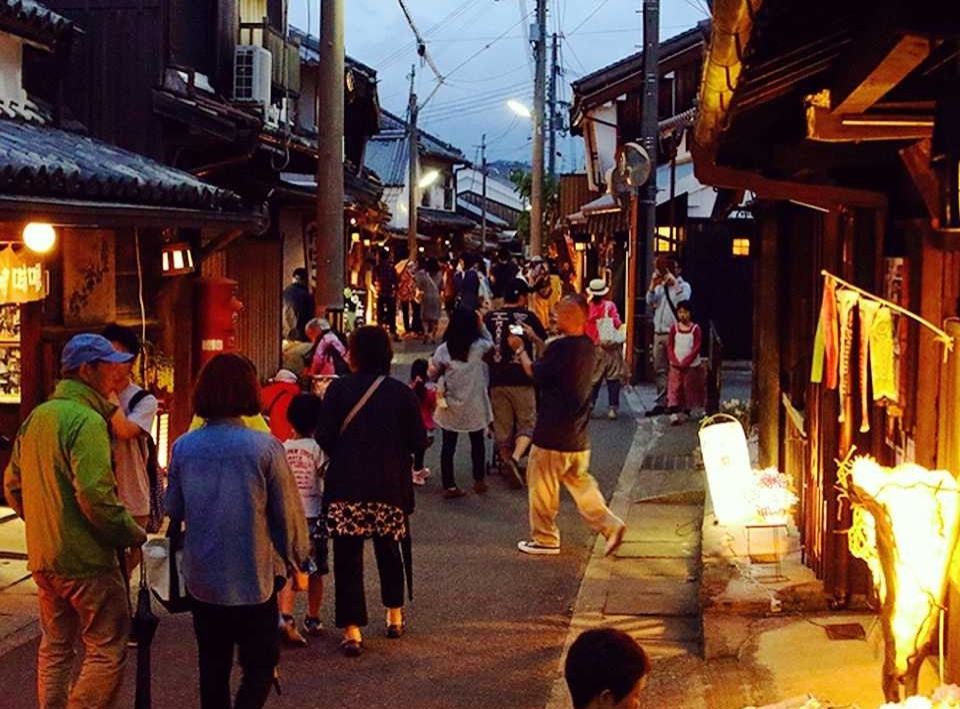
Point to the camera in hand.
(516, 330)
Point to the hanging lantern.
(176, 259)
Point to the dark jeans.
(387, 312)
(253, 631)
(448, 447)
(351, 601)
(411, 316)
(613, 392)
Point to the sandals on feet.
(351, 648)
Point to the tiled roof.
(429, 144)
(39, 18)
(631, 64)
(29, 112)
(387, 156)
(39, 161)
(310, 50)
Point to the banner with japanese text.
(21, 277)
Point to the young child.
(308, 463)
(686, 384)
(427, 394)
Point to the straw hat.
(598, 286)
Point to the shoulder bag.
(360, 404)
(607, 332)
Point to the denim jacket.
(244, 519)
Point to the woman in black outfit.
(369, 489)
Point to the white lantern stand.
(726, 461)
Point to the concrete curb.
(588, 606)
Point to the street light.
(519, 108)
(428, 178)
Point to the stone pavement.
(722, 632)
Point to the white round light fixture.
(39, 237)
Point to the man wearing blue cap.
(60, 480)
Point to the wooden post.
(766, 339)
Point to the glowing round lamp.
(428, 179)
(39, 237)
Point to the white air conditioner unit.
(252, 74)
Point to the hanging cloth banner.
(846, 306)
(883, 372)
(21, 277)
(868, 311)
(825, 345)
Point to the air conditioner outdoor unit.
(252, 74)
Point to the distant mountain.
(502, 168)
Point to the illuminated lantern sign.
(726, 460)
(905, 524)
(21, 277)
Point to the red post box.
(218, 307)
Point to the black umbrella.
(145, 624)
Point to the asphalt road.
(485, 629)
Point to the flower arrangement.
(946, 696)
(771, 495)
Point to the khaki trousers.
(94, 610)
(546, 469)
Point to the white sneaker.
(425, 473)
(419, 478)
(528, 546)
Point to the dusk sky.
(481, 47)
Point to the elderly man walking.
(61, 482)
(561, 444)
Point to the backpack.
(154, 475)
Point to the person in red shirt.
(686, 384)
(275, 398)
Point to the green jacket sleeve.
(96, 487)
(12, 490)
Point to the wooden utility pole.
(552, 118)
(413, 168)
(539, 86)
(649, 134)
(329, 245)
(483, 190)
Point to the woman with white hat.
(604, 327)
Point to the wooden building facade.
(824, 112)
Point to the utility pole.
(539, 85)
(552, 120)
(483, 190)
(413, 168)
(649, 133)
(329, 245)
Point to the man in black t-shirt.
(561, 446)
(512, 393)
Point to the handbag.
(163, 560)
(607, 332)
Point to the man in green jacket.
(60, 480)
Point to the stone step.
(652, 597)
(641, 549)
(680, 569)
(663, 523)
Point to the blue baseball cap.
(86, 348)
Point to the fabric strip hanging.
(846, 306)
(825, 343)
(882, 362)
(867, 311)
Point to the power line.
(486, 46)
(588, 17)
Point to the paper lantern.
(726, 460)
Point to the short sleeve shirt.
(306, 460)
(130, 456)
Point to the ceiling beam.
(916, 158)
(833, 127)
(875, 63)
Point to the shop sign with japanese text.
(21, 277)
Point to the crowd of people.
(270, 479)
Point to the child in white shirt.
(308, 463)
(686, 383)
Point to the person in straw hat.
(610, 365)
